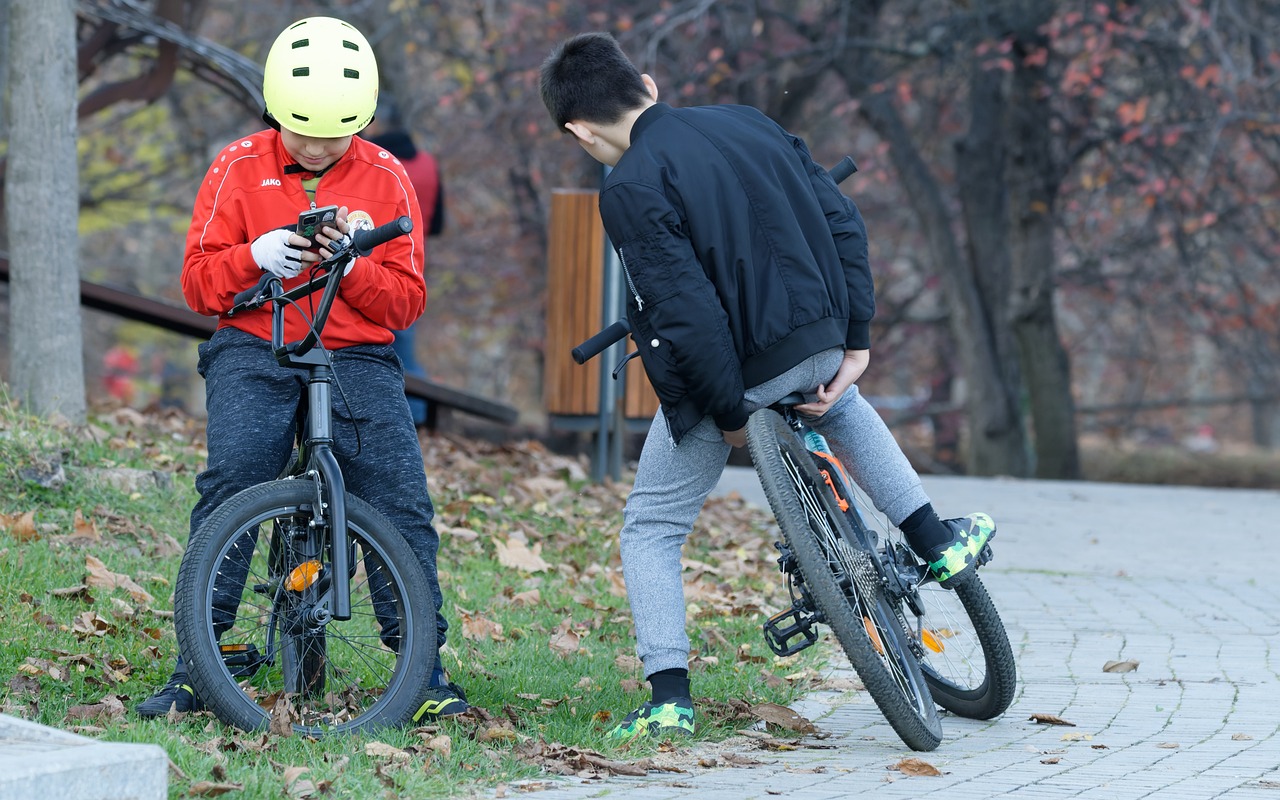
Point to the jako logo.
(270, 181)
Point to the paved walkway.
(1179, 579)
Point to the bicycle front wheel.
(844, 584)
(251, 614)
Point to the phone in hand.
(313, 221)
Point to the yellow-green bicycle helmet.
(321, 79)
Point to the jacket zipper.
(626, 273)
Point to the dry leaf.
(477, 628)
(282, 717)
(1120, 666)
(783, 717)
(1051, 760)
(84, 529)
(22, 527)
(1050, 719)
(1168, 745)
(211, 789)
(1241, 737)
(518, 555)
(1076, 737)
(384, 750)
(441, 744)
(108, 708)
(917, 768)
(99, 575)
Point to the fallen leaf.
(384, 750)
(211, 789)
(518, 555)
(1168, 745)
(1052, 760)
(1241, 737)
(22, 527)
(84, 529)
(1076, 737)
(1120, 666)
(916, 767)
(282, 717)
(1050, 719)
(108, 708)
(783, 717)
(99, 575)
(440, 744)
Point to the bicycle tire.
(246, 649)
(969, 664)
(843, 584)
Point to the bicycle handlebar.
(603, 340)
(269, 287)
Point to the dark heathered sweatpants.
(252, 404)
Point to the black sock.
(669, 684)
(924, 530)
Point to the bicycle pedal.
(783, 627)
(242, 660)
(985, 555)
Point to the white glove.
(274, 254)
(360, 223)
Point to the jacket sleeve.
(389, 285)
(217, 262)
(850, 234)
(671, 293)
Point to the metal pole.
(610, 310)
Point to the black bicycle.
(296, 599)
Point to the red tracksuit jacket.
(246, 193)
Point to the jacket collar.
(648, 117)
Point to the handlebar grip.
(601, 341)
(254, 291)
(364, 241)
(844, 169)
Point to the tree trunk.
(1033, 186)
(995, 443)
(982, 190)
(42, 211)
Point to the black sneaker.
(177, 694)
(442, 701)
(970, 534)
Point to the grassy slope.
(77, 653)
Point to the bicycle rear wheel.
(965, 652)
(845, 585)
(251, 623)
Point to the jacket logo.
(270, 181)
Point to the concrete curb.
(41, 762)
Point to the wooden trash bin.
(575, 299)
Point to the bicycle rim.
(263, 650)
(842, 580)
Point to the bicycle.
(297, 600)
(913, 643)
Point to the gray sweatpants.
(673, 481)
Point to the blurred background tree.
(1072, 206)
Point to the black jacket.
(741, 257)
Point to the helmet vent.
(300, 43)
(300, 118)
(350, 45)
(351, 73)
(345, 120)
(301, 72)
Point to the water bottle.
(816, 442)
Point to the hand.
(736, 438)
(279, 252)
(332, 238)
(851, 368)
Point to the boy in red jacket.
(321, 88)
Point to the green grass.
(538, 706)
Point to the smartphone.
(312, 221)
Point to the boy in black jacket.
(748, 279)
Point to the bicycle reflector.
(302, 576)
(930, 641)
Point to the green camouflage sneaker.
(972, 533)
(674, 717)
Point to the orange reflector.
(930, 641)
(873, 635)
(233, 648)
(302, 576)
